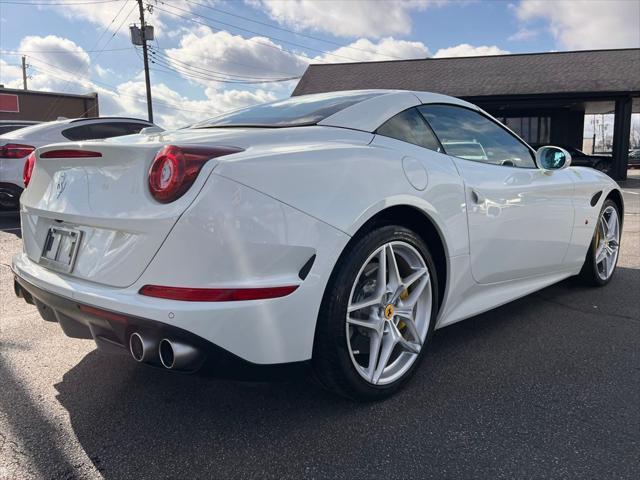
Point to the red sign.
(9, 103)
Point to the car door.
(520, 218)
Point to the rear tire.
(602, 257)
(383, 313)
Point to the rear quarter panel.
(346, 184)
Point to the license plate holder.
(61, 248)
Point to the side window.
(409, 126)
(470, 135)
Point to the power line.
(194, 74)
(89, 2)
(300, 34)
(225, 76)
(112, 88)
(95, 44)
(22, 52)
(277, 47)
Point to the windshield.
(291, 112)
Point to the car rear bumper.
(111, 331)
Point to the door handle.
(477, 197)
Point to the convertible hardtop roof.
(369, 114)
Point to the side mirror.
(553, 158)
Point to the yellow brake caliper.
(403, 296)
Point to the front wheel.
(602, 257)
(377, 314)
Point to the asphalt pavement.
(546, 387)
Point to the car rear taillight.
(189, 294)
(15, 150)
(29, 163)
(174, 169)
(70, 154)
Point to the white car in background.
(329, 232)
(16, 145)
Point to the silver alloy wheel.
(607, 242)
(388, 313)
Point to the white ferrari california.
(327, 233)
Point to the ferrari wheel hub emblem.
(389, 311)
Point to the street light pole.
(146, 61)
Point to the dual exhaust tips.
(174, 355)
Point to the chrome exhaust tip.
(141, 348)
(177, 355)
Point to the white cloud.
(523, 34)
(9, 74)
(104, 72)
(259, 57)
(363, 50)
(60, 52)
(250, 58)
(466, 50)
(371, 19)
(586, 24)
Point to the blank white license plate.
(60, 248)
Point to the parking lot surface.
(547, 386)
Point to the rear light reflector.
(107, 315)
(15, 150)
(70, 154)
(216, 294)
(27, 170)
(174, 169)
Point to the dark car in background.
(634, 158)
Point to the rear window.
(96, 131)
(291, 112)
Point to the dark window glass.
(472, 136)
(132, 128)
(106, 130)
(75, 133)
(409, 126)
(294, 111)
(97, 131)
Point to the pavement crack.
(582, 310)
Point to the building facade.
(44, 106)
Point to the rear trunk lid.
(107, 200)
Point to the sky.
(212, 56)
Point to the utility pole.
(146, 60)
(24, 72)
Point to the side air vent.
(595, 198)
(306, 268)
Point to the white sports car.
(328, 233)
